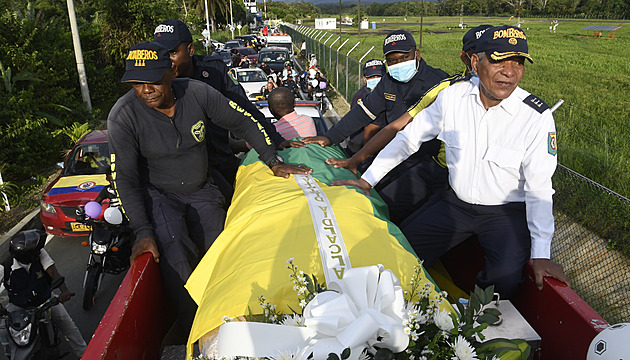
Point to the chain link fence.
(592, 237)
(592, 233)
(342, 71)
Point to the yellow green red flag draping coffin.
(269, 223)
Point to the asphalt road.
(71, 259)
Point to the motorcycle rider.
(27, 275)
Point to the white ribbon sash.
(332, 249)
(365, 310)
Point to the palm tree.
(214, 7)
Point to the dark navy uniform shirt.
(355, 141)
(390, 97)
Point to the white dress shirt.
(495, 156)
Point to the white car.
(218, 46)
(252, 80)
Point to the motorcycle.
(110, 247)
(319, 94)
(30, 333)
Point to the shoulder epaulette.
(536, 103)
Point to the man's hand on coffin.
(285, 170)
(141, 246)
(360, 183)
(290, 143)
(349, 164)
(546, 267)
(321, 140)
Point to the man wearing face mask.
(373, 71)
(409, 84)
(501, 151)
(408, 78)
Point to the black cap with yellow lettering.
(503, 42)
(146, 63)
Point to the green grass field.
(592, 76)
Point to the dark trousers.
(408, 186)
(185, 226)
(502, 232)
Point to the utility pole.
(359, 22)
(78, 54)
(209, 43)
(340, 19)
(231, 20)
(421, 22)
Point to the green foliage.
(615, 9)
(291, 11)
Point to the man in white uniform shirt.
(501, 153)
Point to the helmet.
(25, 246)
(611, 344)
(287, 63)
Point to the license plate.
(80, 227)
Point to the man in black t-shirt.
(158, 150)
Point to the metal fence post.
(339, 49)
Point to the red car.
(80, 181)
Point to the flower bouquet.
(415, 328)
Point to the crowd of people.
(454, 157)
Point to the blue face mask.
(470, 69)
(403, 71)
(371, 82)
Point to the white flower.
(443, 320)
(290, 260)
(363, 355)
(226, 319)
(293, 320)
(283, 355)
(303, 303)
(463, 350)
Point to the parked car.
(253, 39)
(217, 46)
(302, 107)
(230, 44)
(80, 181)
(252, 80)
(252, 55)
(274, 57)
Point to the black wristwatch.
(276, 160)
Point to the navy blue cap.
(398, 41)
(373, 67)
(146, 63)
(171, 33)
(470, 38)
(503, 42)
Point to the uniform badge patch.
(552, 143)
(198, 131)
(205, 74)
(390, 97)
